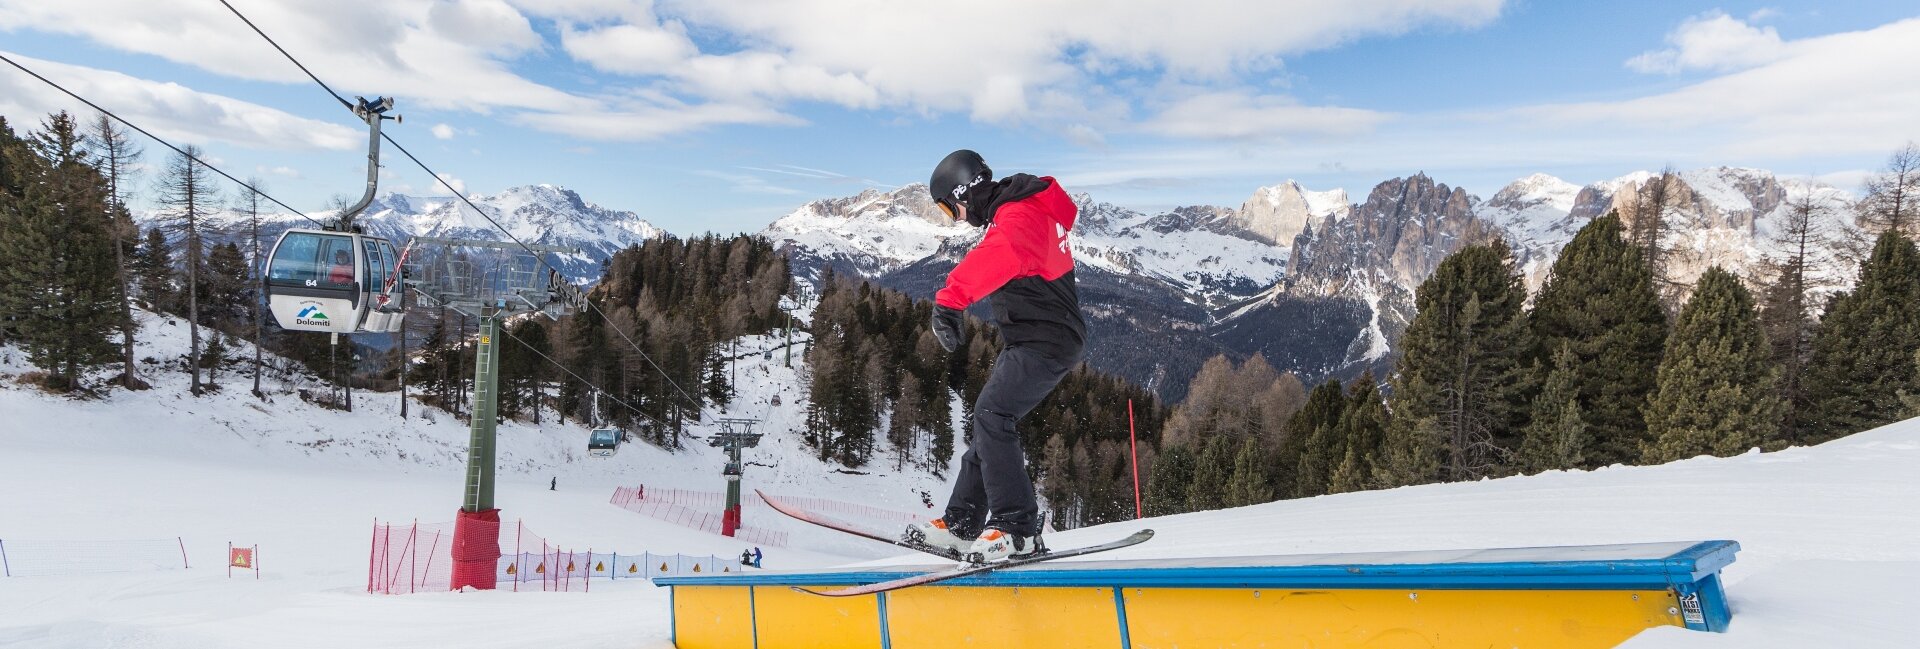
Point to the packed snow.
(1827, 532)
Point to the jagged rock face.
(1399, 235)
(1279, 213)
(1716, 216)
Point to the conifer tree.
(1556, 437)
(117, 153)
(1863, 351)
(1168, 482)
(153, 268)
(1462, 359)
(1786, 310)
(1248, 485)
(1323, 438)
(1365, 425)
(1322, 408)
(58, 291)
(1600, 301)
(1411, 454)
(226, 288)
(1212, 471)
(1717, 390)
(187, 190)
(14, 162)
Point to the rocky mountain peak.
(1281, 212)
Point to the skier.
(555, 485)
(756, 556)
(1024, 268)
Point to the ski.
(800, 514)
(979, 568)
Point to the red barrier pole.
(372, 544)
(183, 553)
(256, 563)
(413, 564)
(386, 563)
(430, 552)
(229, 559)
(589, 569)
(518, 572)
(1134, 444)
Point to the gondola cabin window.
(313, 259)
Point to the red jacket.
(1026, 266)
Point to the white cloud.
(282, 171)
(169, 110)
(641, 120)
(443, 131)
(1242, 115)
(628, 48)
(929, 58)
(748, 184)
(1837, 94)
(429, 53)
(1713, 41)
(459, 186)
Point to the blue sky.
(726, 115)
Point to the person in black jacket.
(1023, 267)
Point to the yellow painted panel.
(937, 617)
(712, 617)
(792, 620)
(1171, 618)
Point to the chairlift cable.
(563, 368)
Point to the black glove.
(946, 326)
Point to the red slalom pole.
(1133, 444)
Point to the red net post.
(476, 549)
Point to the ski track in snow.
(1827, 532)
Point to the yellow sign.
(570, 567)
(509, 568)
(600, 567)
(541, 569)
(696, 567)
(633, 568)
(486, 340)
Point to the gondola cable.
(289, 208)
(458, 194)
(156, 138)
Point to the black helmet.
(957, 173)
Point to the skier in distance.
(1023, 267)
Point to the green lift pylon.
(492, 282)
(736, 434)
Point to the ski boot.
(934, 535)
(996, 544)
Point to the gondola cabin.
(604, 442)
(338, 282)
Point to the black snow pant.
(992, 489)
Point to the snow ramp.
(1571, 596)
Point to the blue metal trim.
(1690, 565)
(886, 634)
(1120, 611)
(753, 617)
(673, 619)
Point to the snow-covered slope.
(1827, 531)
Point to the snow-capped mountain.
(536, 214)
(1318, 284)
